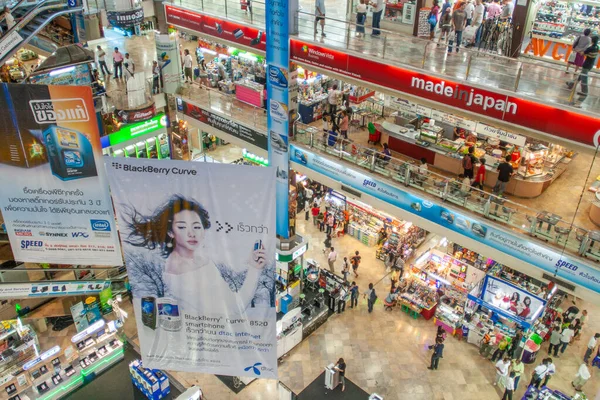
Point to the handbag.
(572, 57)
(432, 20)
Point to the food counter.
(534, 174)
(249, 92)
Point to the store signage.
(567, 268)
(283, 258)
(511, 299)
(216, 27)
(52, 289)
(570, 125)
(223, 124)
(500, 134)
(44, 356)
(129, 132)
(9, 42)
(59, 210)
(141, 114)
(79, 316)
(279, 113)
(549, 48)
(210, 307)
(78, 75)
(126, 19)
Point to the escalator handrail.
(38, 29)
(34, 12)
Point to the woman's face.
(187, 230)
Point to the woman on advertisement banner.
(177, 229)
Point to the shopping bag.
(572, 57)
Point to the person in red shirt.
(315, 213)
(480, 175)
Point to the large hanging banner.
(53, 190)
(199, 245)
(169, 63)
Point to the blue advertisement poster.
(567, 268)
(278, 110)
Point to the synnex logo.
(468, 96)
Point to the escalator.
(34, 17)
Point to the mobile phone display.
(168, 315)
(149, 312)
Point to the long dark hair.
(152, 231)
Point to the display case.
(153, 383)
(430, 134)
(551, 19)
(556, 153)
(533, 161)
(582, 16)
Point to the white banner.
(199, 245)
(51, 289)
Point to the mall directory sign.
(568, 268)
(199, 246)
(53, 189)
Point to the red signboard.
(529, 114)
(216, 27)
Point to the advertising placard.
(167, 56)
(79, 316)
(219, 28)
(200, 254)
(59, 209)
(51, 289)
(246, 134)
(511, 299)
(126, 19)
(78, 75)
(549, 260)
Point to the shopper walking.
(509, 387)
(355, 261)
(591, 53)
(517, 367)
(346, 269)
(554, 341)
(469, 11)
(505, 171)
(438, 352)
(378, 6)
(459, 22)
(8, 17)
(188, 63)
(371, 297)
(468, 163)
(341, 368)
(101, 59)
(502, 346)
(321, 221)
(551, 371)
(432, 19)
(129, 65)
(330, 223)
(331, 257)
(445, 26)
(353, 295)
(565, 339)
(478, 20)
(502, 367)
(118, 63)
(320, 16)
(583, 374)
(486, 344)
(581, 43)
(361, 17)
(538, 374)
(327, 243)
(591, 346)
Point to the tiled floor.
(386, 351)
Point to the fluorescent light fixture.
(443, 242)
(208, 51)
(62, 71)
(423, 257)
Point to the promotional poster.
(511, 299)
(59, 209)
(167, 55)
(199, 245)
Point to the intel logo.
(278, 110)
(100, 225)
(427, 204)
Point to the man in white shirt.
(469, 10)
(551, 371)
(331, 259)
(101, 60)
(565, 339)
(332, 100)
(582, 377)
(539, 373)
(378, 6)
(591, 347)
(129, 66)
(509, 387)
(8, 17)
(187, 66)
(507, 10)
(320, 16)
(502, 367)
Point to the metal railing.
(556, 232)
(540, 80)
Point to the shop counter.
(311, 111)
(251, 94)
(428, 313)
(450, 329)
(316, 319)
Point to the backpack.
(467, 163)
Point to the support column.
(519, 20)
(278, 110)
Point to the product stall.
(153, 383)
(312, 95)
(147, 139)
(443, 139)
(18, 345)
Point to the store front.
(148, 139)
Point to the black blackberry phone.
(149, 312)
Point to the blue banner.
(278, 110)
(567, 268)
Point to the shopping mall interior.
(434, 225)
